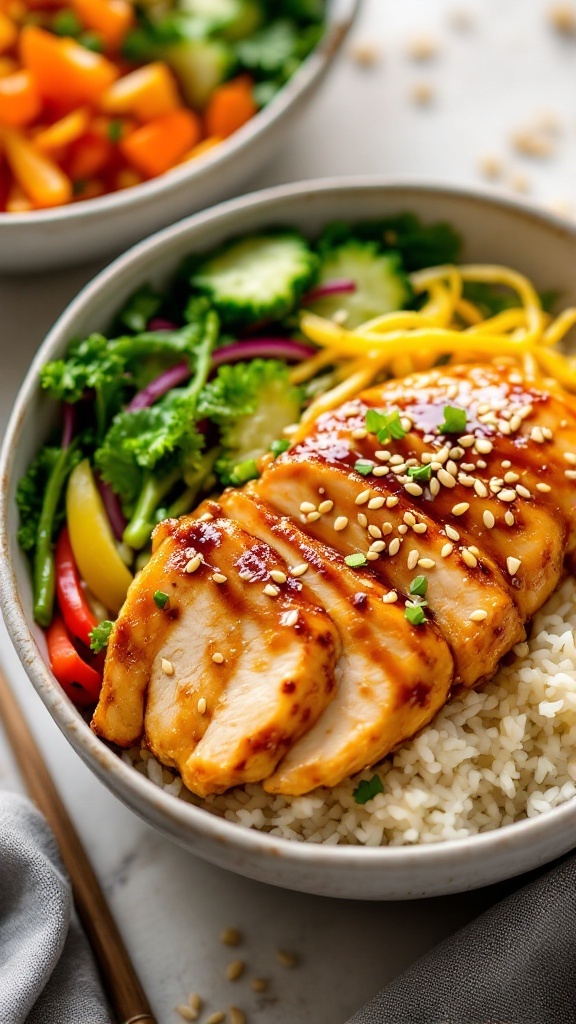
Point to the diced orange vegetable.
(231, 106)
(62, 133)
(65, 71)
(127, 178)
(17, 201)
(8, 32)
(40, 178)
(111, 19)
(20, 102)
(7, 66)
(160, 144)
(148, 92)
(203, 147)
(89, 155)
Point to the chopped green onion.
(278, 447)
(243, 472)
(454, 420)
(364, 468)
(419, 586)
(386, 425)
(368, 789)
(415, 614)
(160, 599)
(356, 560)
(422, 473)
(100, 636)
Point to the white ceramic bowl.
(495, 230)
(80, 232)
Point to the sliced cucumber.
(381, 283)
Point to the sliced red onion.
(157, 388)
(113, 509)
(157, 323)
(263, 348)
(336, 287)
(68, 424)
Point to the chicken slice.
(392, 677)
(219, 680)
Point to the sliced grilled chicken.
(226, 677)
(392, 677)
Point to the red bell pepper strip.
(76, 611)
(78, 679)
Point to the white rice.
(489, 758)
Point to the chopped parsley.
(278, 447)
(420, 473)
(100, 636)
(243, 472)
(415, 614)
(454, 421)
(160, 599)
(419, 586)
(386, 425)
(363, 467)
(368, 789)
(356, 561)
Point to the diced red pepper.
(78, 679)
(76, 611)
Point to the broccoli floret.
(420, 245)
(251, 403)
(257, 279)
(380, 280)
(277, 50)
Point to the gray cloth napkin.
(515, 964)
(47, 973)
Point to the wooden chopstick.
(120, 980)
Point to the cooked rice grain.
(489, 758)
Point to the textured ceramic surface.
(85, 231)
(495, 230)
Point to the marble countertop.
(488, 71)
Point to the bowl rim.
(169, 812)
(341, 15)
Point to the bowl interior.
(495, 231)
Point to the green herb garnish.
(386, 425)
(368, 789)
(278, 447)
(363, 467)
(100, 636)
(420, 473)
(243, 472)
(415, 614)
(160, 599)
(419, 586)
(454, 421)
(356, 561)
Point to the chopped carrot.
(89, 155)
(65, 70)
(160, 144)
(111, 19)
(231, 106)
(19, 100)
(148, 92)
(8, 33)
(40, 178)
(62, 133)
(203, 147)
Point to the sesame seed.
(245, 575)
(469, 558)
(386, 529)
(219, 577)
(452, 533)
(459, 509)
(340, 523)
(392, 501)
(325, 506)
(402, 529)
(376, 502)
(434, 487)
(362, 520)
(390, 598)
(414, 489)
(400, 468)
(442, 454)
(480, 464)
(286, 959)
(278, 576)
(313, 517)
(451, 467)
(363, 497)
(167, 667)
(545, 488)
(194, 563)
(484, 446)
(507, 495)
(307, 506)
(466, 441)
(187, 1012)
(515, 423)
(509, 518)
(547, 433)
(479, 615)
(394, 546)
(409, 518)
(426, 563)
(488, 518)
(216, 1018)
(446, 478)
(474, 550)
(570, 457)
(380, 471)
(513, 564)
(201, 706)
(195, 1002)
(231, 937)
(235, 970)
(270, 590)
(290, 618)
(413, 557)
(456, 453)
(447, 549)
(420, 528)
(258, 984)
(570, 474)
(537, 435)
(511, 478)
(236, 1015)
(299, 570)
(372, 556)
(378, 546)
(218, 658)
(383, 455)
(375, 531)
(206, 518)
(359, 434)
(523, 491)
(396, 460)
(465, 480)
